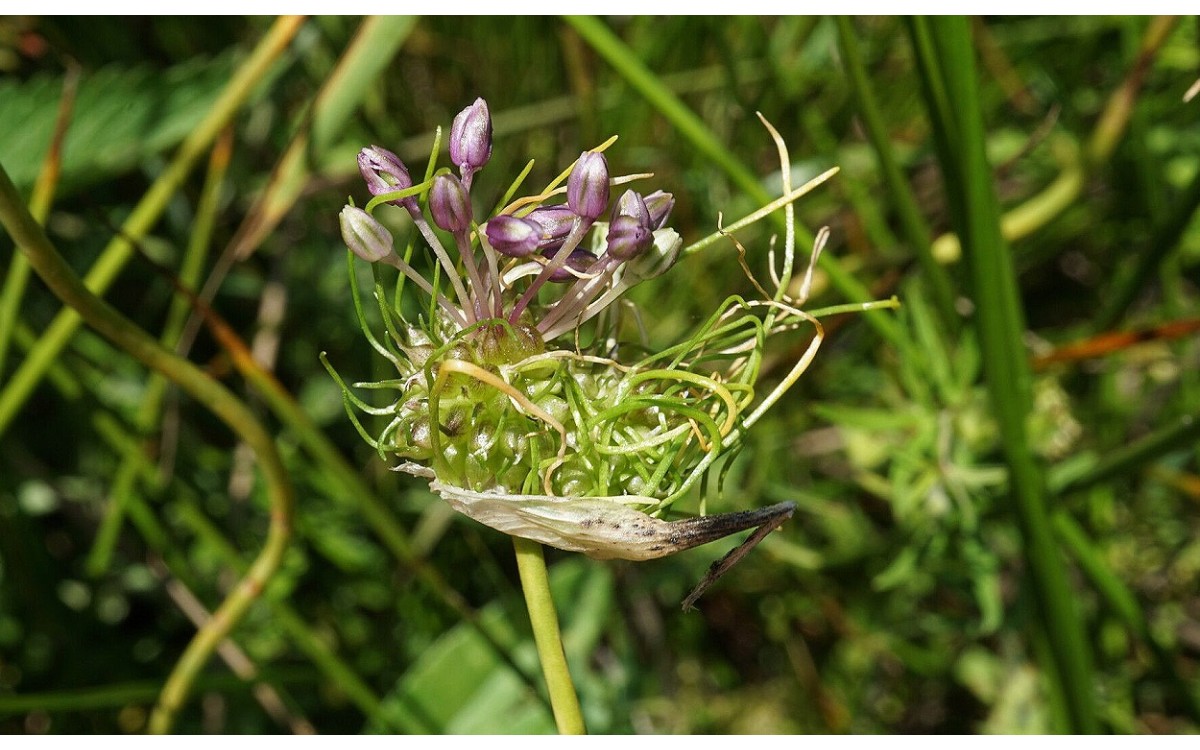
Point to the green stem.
(356, 489)
(39, 206)
(122, 694)
(916, 231)
(63, 281)
(536, 583)
(1124, 605)
(1114, 120)
(1180, 435)
(1000, 323)
(1039, 210)
(147, 212)
(148, 412)
(303, 637)
(1163, 242)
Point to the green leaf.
(122, 115)
(460, 685)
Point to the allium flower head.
(499, 401)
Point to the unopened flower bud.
(587, 187)
(385, 173)
(632, 204)
(579, 261)
(364, 235)
(660, 204)
(556, 223)
(449, 204)
(663, 253)
(513, 236)
(629, 233)
(471, 138)
(628, 237)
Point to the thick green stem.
(63, 281)
(536, 584)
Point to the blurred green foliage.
(896, 600)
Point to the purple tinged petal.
(364, 235)
(556, 222)
(513, 236)
(384, 173)
(660, 204)
(449, 204)
(630, 233)
(587, 187)
(628, 237)
(471, 138)
(631, 204)
(579, 260)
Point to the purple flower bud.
(556, 223)
(449, 204)
(364, 235)
(630, 233)
(628, 237)
(662, 255)
(513, 236)
(579, 260)
(660, 205)
(587, 187)
(385, 173)
(471, 138)
(632, 204)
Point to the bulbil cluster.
(514, 423)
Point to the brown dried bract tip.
(766, 519)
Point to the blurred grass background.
(997, 524)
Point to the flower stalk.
(535, 582)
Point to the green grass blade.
(117, 253)
(999, 321)
(1158, 249)
(912, 224)
(692, 128)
